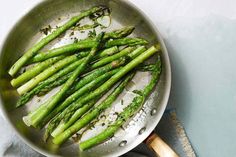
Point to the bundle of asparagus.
(86, 70)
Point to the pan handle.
(155, 143)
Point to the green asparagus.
(128, 112)
(103, 88)
(51, 127)
(126, 41)
(86, 89)
(120, 33)
(80, 123)
(34, 71)
(60, 77)
(60, 95)
(82, 83)
(81, 91)
(46, 73)
(34, 50)
(133, 54)
(106, 60)
(141, 58)
(67, 49)
(82, 44)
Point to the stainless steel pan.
(26, 32)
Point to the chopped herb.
(72, 33)
(122, 102)
(92, 34)
(138, 92)
(103, 124)
(46, 30)
(116, 113)
(103, 116)
(76, 40)
(77, 137)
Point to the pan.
(26, 32)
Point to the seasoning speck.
(46, 30)
(71, 34)
(122, 102)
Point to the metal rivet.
(123, 143)
(141, 131)
(154, 111)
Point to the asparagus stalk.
(60, 95)
(86, 89)
(60, 77)
(121, 61)
(104, 53)
(34, 50)
(129, 51)
(83, 44)
(53, 125)
(34, 71)
(126, 41)
(83, 82)
(106, 60)
(103, 88)
(94, 113)
(54, 84)
(149, 67)
(81, 91)
(46, 73)
(128, 112)
(87, 43)
(120, 33)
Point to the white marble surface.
(200, 36)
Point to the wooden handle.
(159, 146)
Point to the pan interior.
(26, 32)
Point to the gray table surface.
(200, 37)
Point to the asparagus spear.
(60, 95)
(128, 112)
(104, 53)
(34, 71)
(83, 110)
(138, 60)
(126, 41)
(132, 55)
(88, 88)
(94, 113)
(84, 89)
(46, 73)
(106, 60)
(82, 83)
(60, 77)
(120, 33)
(54, 84)
(149, 67)
(83, 44)
(34, 50)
